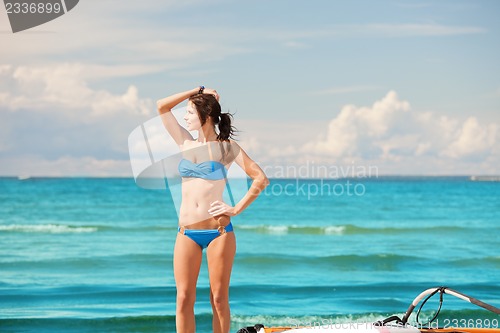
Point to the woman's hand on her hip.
(221, 208)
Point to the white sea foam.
(278, 229)
(363, 320)
(46, 228)
(285, 229)
(335, 230)
(269, 229)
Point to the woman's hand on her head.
(221, 208)
(212, 92)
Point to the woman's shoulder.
(232, 143)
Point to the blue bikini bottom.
(203, 237)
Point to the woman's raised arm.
(165, 105)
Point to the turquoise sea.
(95, 254)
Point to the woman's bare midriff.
(197, 195)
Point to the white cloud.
(387, 134)
(389, 130)
(396, 139)
(64, 88)
(357, 131)
(5, 69)
(53, 115)
(474, 140)
(105, 103)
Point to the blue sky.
(411, 87)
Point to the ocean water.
(95, 254)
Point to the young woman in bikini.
(204, 218)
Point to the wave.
(347, 229)
(308, 320)
(265, 261)
(67, 263)
(336, 230)
(341, 262)
(473, 262)
(166, 323)
(77, 325)
(453, 318)
(353, 262)
(70, 228)
(47, 228)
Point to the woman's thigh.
(220, 258)
(187, 261)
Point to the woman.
(204, 218)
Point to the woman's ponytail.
(226, 130)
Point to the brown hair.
(208, 106)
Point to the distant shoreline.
(493, 178)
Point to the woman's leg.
(187, 261)
(220, 257)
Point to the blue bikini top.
(211, 170)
